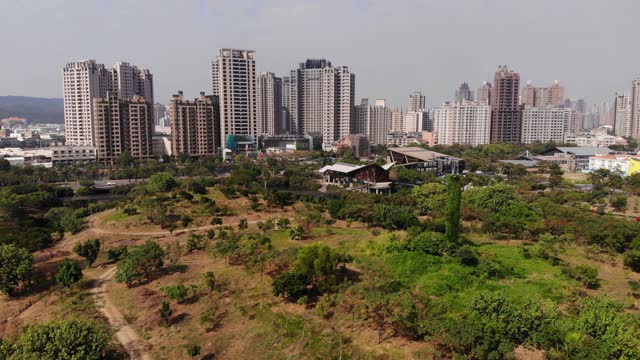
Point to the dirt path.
(125, 334)
(95, 223)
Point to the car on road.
(110, 183)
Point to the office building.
(85, 81)
(374, 121)
(545, 124)
(195, 125)
(321, 100)
(462, 123)
(622, 115)
(269, 104)
(506, 114)
(235, 71)
(417, 101)
(122, 125)
(463, 93)
(484, 93)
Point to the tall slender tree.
(452, 224)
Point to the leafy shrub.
(117, 253)
(69, 272)
(632, 260)
(587, 275)
(176, 292)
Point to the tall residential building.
(373, 121)
(286, 104)
(122, 125)
(195, 125)
(86, 80)
(542, 97)
(484, 93)
(622, 115)
(128, 80)
(269, 104)
(397, 120)
(235, 71)
(159, 112)
(545, 124)
(463, 123)
(463, 93)
(83, 82)
(635, 109)
(506, 114)
(417, 121)
(417, 101)
(322, 100)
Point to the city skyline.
(354, 39)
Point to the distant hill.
(35, 110)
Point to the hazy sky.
(393, 46)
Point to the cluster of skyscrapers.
(113, 110)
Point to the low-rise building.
(579, 155)
(618, 164)
(426, 160)
(404, 139)
(359, 143)
(367, 178)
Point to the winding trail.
(125, 334)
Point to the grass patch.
(116, 216)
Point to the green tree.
(452, 223)
(632, 260)
(117, 253)
(72, 339)
(296, 233)
(210, 281)
(176, 292)
(165, 312)
(16, 267)
(88, 250)
(243, 224)
(555, 175)
(69, 272)
(292, 285)
(619, 202)
(431, 198)
(211, 318)
(161, 182)
(140, 263)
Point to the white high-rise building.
(269, 104)
(622, 115)
(545, 124)
(462, 123)
(635, 109)
(322, 100)
(417, 101)
(374, 121)
(417, 121)
(397, 121)
(86, 80)
(235, 70)
(83, 82)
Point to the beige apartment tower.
(546, 124)
(543, 97)
(466, 123)
(84, 81)
(417, 101)
(321, 100)
(235, 71)
(195, 125)
(269, 104)
(122, 126)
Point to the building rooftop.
(580, 150)
(418, 153)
